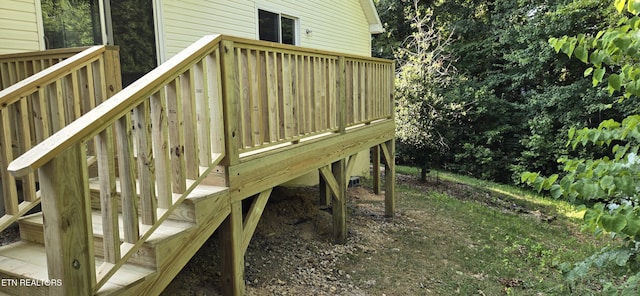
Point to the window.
(275, 27)
(71, 23)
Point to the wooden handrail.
(13, 93)
(64, 87)
(107, 113)
(57, 52)
(18, 66)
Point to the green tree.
(424, 67)
(71, 23)
(606, 186)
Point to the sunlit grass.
(446, 243)
(561, 206)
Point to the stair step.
(184, 212)
(28, 261)
(32, 230)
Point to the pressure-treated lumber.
(67, 215)
(272, 169)
(226, 111)
(389, 178)
(232, 254)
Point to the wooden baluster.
(215, 102)
(272, 87)
(349, 90)
(160, 144)
(176, 136)
(341, 96)
(146, 176)
(28, 181)
(57, 110)
(307, 85)
(202, 111)
(295, 97)
(254, 103)
(9, 190)
(319, 95)
(126, 171)
(245, 99)
(287, 93)
(108, 198)
(332, 81)
(187, 90)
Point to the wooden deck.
(131, 188)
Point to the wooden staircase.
(132, 186)
(146, 271)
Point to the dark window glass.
(134, 32)
(288, 30)
(269, 26)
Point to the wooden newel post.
(113, 73)
(230, 103)
(67, 229)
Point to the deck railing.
(18, 66)
(217, 99)
(41, 104)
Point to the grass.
(446, 242)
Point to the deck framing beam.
(254, 175)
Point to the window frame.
(296, 25)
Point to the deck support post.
(375, 168)
(340, 202)
(389, 151)
(335, 179)
(232, 252)
(67, 212)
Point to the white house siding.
(335, 25)
(19, 26)
(185, 21)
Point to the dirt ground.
(292, 252)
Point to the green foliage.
(606, 186)
(422, 113)
(70, 23)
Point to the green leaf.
(619, 5)
(597, 76)
(615, 81)
(556, 191)
(634, 6)
(606, 182)
(633, 224)
(528, 177)
(582, 54)
(588, 71)
(613, 223)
